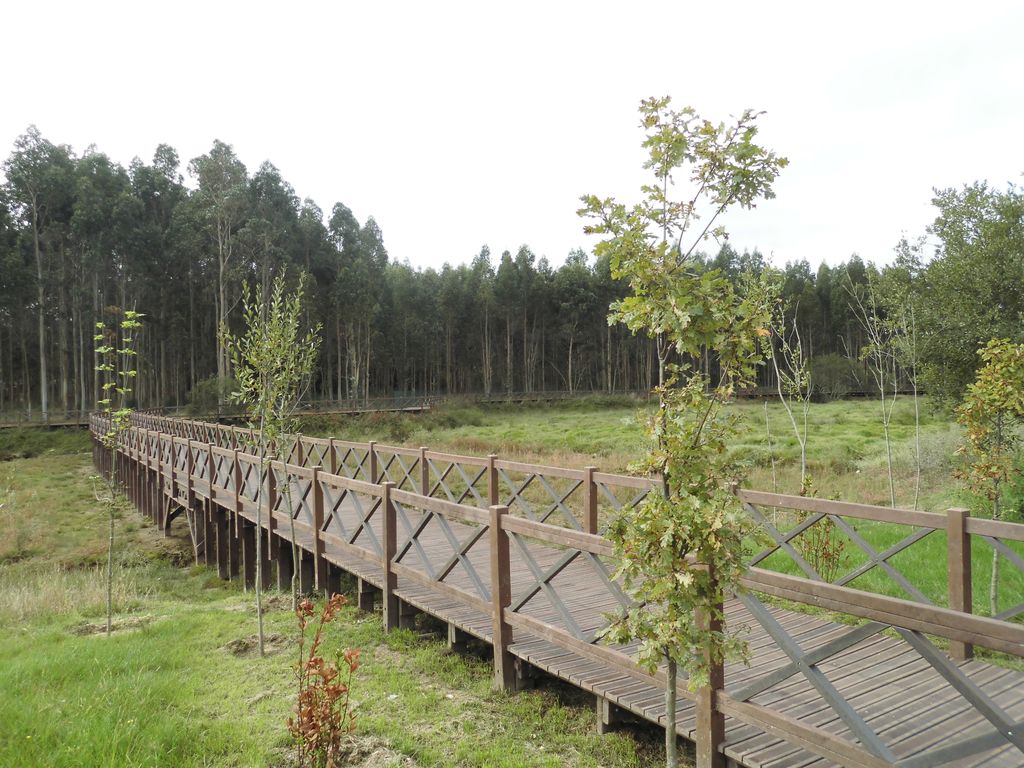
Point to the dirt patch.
(385, 654)
(131, 623)
(249, 646)
(359, 752)
(271, 603)
(371, 752)
(277, 603)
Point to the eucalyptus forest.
(82, 237)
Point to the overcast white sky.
(460, 125)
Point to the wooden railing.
(456, 525)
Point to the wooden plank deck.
(866, 695)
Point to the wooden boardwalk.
(424, 537)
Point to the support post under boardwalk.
(390, 546)
(365, 592)
(285, 566)
(501, 596)
(248, 537)
(234, 550)
(209, 533)
(220, 522)
(457, 638)
(334, 580)
(265, 563)
(306, 577)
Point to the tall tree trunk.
(43, 382)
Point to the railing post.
(319, 562)
(332, 457)
(424, 472)
(390, 547)
(710, 726)
(371, 455)
(501, 598)
(493, 490)
(148, 483)
(159, 495)
(209, 529)
(958, 567)
(190, 470)
(589, 500)
(236, 481)
(234, 554)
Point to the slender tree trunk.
(885, 432)
(259, 543)
(671, 758)
(43, 382)
(993, 586)
(771, 449)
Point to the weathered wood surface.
(815, 693)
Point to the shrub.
(323, 713)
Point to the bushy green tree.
(969, 293)
(680, 552)
(992, 414)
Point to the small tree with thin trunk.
(793, 382)
(115, 355)
(272, 363)
(992, 414)
(680, 551)
(880, 355)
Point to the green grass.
(26, 442)
(845, 451)
(165, 690)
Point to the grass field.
(845, 451)
(177, 685)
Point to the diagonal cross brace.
(460, 555)
(335, 509)
(860, 729)
(560, 503)
(561, 564)
(413, 540)
(956, 751)
(782, 540)
(831, 648)
(881, 560)
(406, 471)
(966, 687)
(1000, 546)
(470, 485)
(517, 492)
(614, 500)
(364, 523)
(549, 592)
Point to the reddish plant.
(323, 715)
